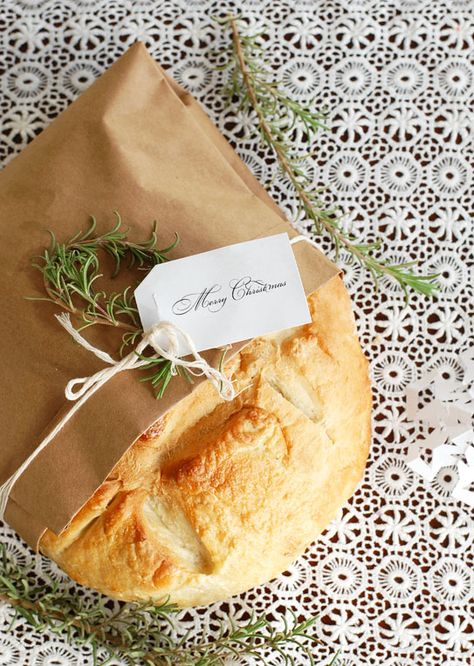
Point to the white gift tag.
(226, 295)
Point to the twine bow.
(82, 388)
(87, 386)
(197, 366)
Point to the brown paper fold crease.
(137, 143)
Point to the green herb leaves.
(71, 272)
(278, 120)
(144, 633)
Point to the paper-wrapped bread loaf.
(218, 497)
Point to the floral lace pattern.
(391, 578)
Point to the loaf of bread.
(218, 497)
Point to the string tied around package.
(175, 337)
(81, 389)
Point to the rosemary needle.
(278, 116)
(70, 273)
(140, 633)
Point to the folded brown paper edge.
(310, 262)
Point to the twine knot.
(166, 339)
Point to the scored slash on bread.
(218, 497)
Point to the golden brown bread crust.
(218, 497)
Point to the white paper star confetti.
(447, 416)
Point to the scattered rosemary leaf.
(278, 118)
(70, 273)
(141, 633)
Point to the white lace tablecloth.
(392, 577)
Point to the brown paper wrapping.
(137, 143)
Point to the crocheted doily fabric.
(391, 579)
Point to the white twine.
(306, 239)
(82, 388)
(198, 366)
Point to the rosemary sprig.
(280, 118)
(139, 633)
(162, 373)
(70, 273)
(71, 269)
